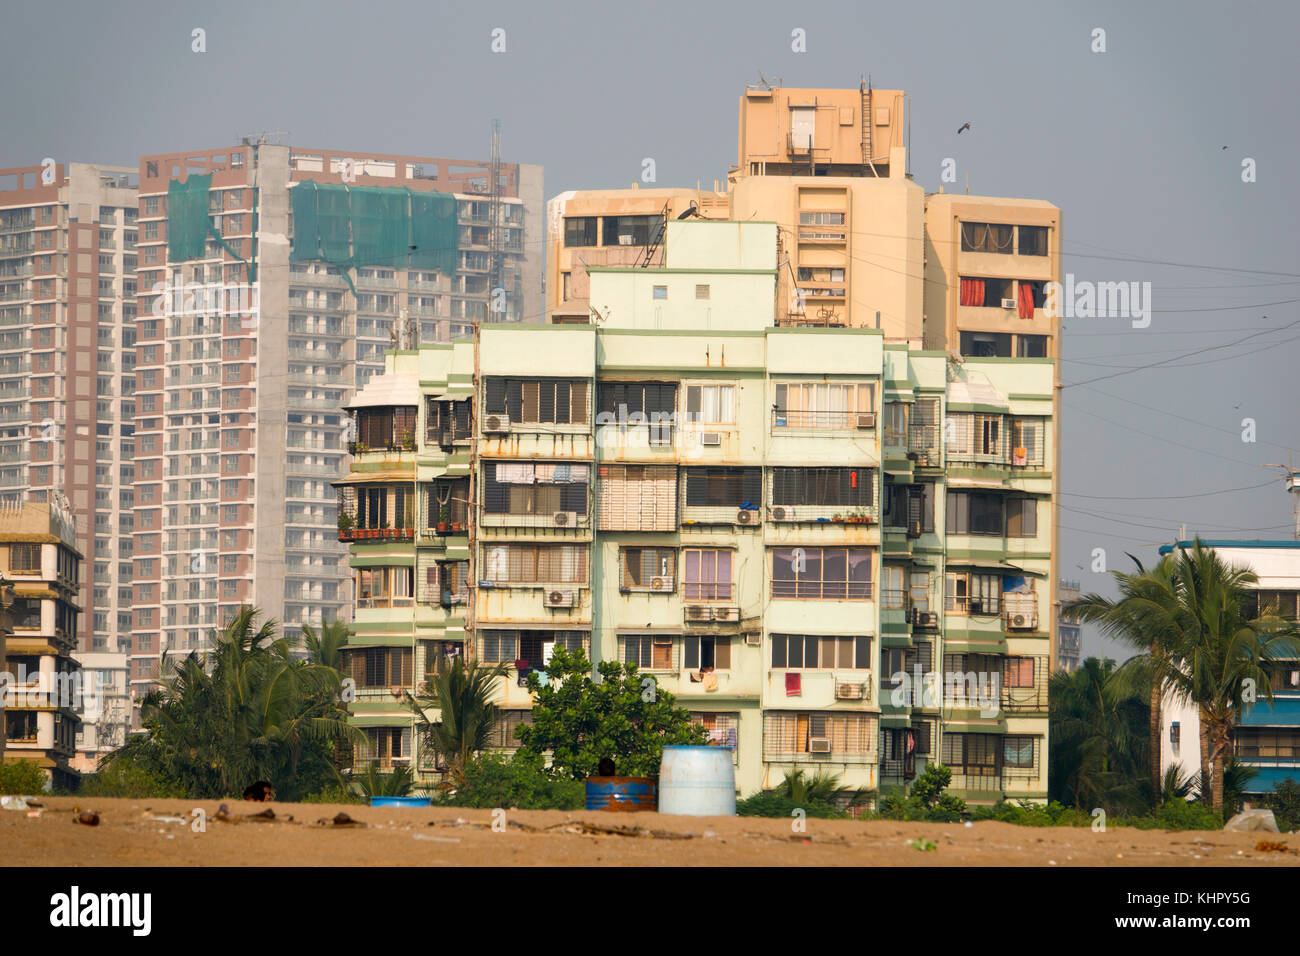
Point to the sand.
(127, 835)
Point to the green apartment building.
(835, 550)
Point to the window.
(637, 498)
(823, 487)
(701, 292)
(535, 564)
(972, 592)
(910, 507)
(822, 405)
(973, 512)
(708, 574)
(384, 587)
(380, 666)
(821, 573)
(1018, 752)
(1022, 517)
(538, 401)
(529, 648)
(1271, 601)
(580, 231)
(386, 427)
(644, 399)
(1033, 240)
(1018, 672)
(807, 652)
(972, 754)
(632, 230)
(24, 558)
(724, 487)
(918, 590)
(706, 652)
(895, 416)
(722, 728)
(985, 344)
(986, 237)
(844, 735)
(528, 488)
(1027, 441)
(711, 404)
(504, 734)
(649, 651)
(660, 292)
(891, 586)
(1031, 346)
(643, 567)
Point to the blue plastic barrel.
(621, 794)
(697, 782)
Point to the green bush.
(1285, 804)
(927, 800)
(18, 777)
(335, 794)
(121, 778)
(771, 803)
(495, 780)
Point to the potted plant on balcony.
(345, 525)
(857, 516)
(407, 441)
(457, 527)
(444, 519)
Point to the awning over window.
(386, 390)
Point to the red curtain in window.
(1026, 300)
(972, 291)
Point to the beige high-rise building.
(67, 354)
(272, 280)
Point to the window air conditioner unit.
(781, 513)
(564, 519)
(744, 516)
(1008, 303)
(711, 439)
(699, 614)
(848, 691)
(867, 420)
(661, 584)
(496, 424)
(726, 614)
(559, 599)
(819, 745)
(754, 639)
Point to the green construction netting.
(188, 225)
(350, 226)
(187, 218)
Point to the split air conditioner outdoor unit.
(698, 614)
(496, 424)
(726, 614)
(1022, 620)
(661, 584)
(848, 692)
(559, 599)
(564, 519)
(781, 513)
(745, 516)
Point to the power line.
(1202, 494)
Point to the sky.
(1141, 146)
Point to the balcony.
(375, 534)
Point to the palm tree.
(823, 787)
(1227, 652)
(463, 697)
(1175, 785)
(326, 647)
(1098, 751)
(373, 783)
(1145, 616)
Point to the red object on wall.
(972, 291)
(1026, 300)
(793, 684)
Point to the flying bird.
(963, 128)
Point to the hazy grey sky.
(1128, 143)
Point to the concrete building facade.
(240, 391)
(41, 697)
(772, 520)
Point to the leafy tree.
(462, 696)
(248, 711)
(1097, 726)
(624, 716)
(1285, 803)
(21, 777)
(326, 646)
